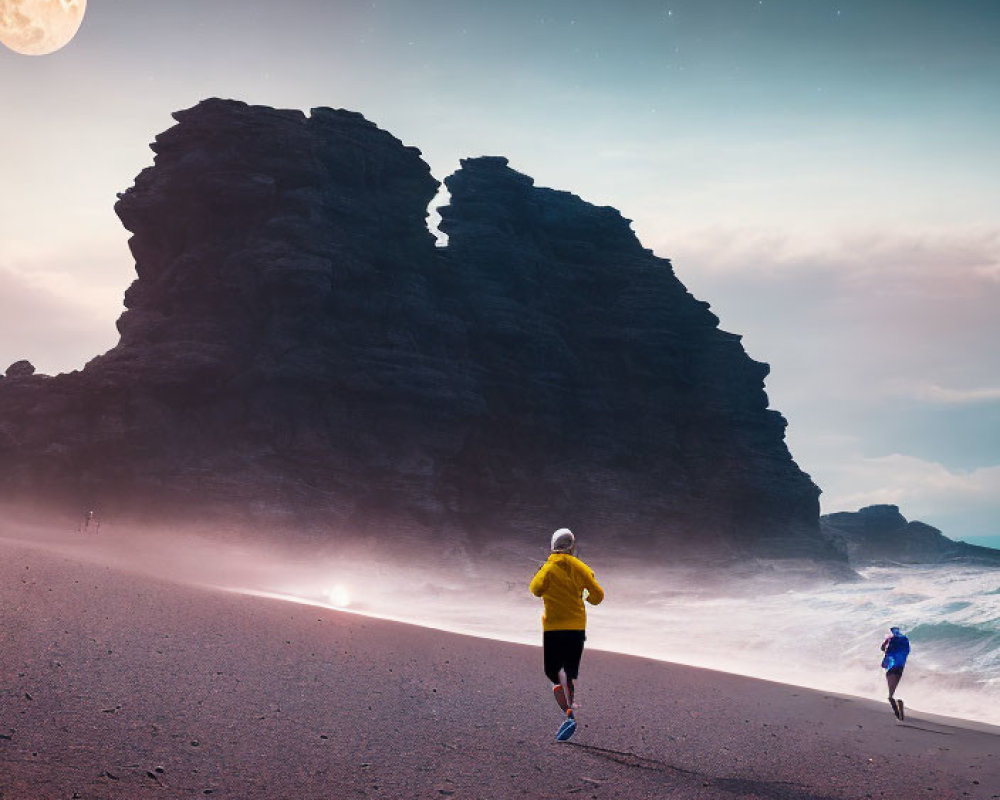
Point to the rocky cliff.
(882, 534)
(295, 345)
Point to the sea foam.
(824, 636)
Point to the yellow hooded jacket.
(561, 582)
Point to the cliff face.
(611, 395)
(295, 343)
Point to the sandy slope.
(114, 685)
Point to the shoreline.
(937, 719)
(73, 549)
(119, 685)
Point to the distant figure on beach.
(90, 523)
(896, 648)
(561, 583)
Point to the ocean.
(828, 637)
(819, 635)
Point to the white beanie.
(563, 541)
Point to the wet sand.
(117, 685)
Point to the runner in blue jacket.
(896, 648)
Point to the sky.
(824, 174)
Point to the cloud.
(902, 476)
(881, 310)
(932, 393)
(922, 489)
(883, 359)
(950, 256)
(53, 332)
(937, 269)
(59, 299)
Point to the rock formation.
(20, 369)
(296, 345)
(882, 534)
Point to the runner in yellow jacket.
(562, 582)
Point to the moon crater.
(39, 27)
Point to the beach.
(116, 684)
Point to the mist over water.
(828, 637)
(776, 626)
(823, 637)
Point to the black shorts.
(894, 671)
(562, 650)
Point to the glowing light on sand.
(39, 27)
(338, 596)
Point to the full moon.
(39, 27)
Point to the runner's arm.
(540, 581)
(595, 594)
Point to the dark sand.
(115, 685)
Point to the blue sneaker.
(566, 730)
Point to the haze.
(739, 620)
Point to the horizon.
(820, 175)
